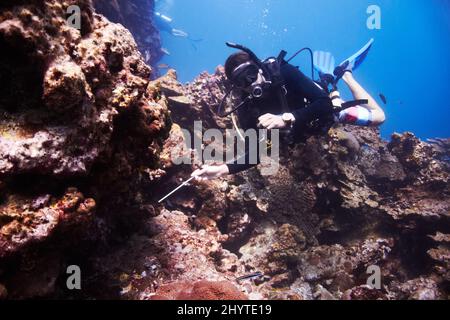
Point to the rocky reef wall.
(78, 137)
(136, 16)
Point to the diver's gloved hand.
(271, 121)
(208, 172)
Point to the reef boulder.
(135, 15)
(77, 132)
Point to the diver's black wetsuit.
(299, 87)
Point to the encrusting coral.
(77, 130)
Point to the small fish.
(250, 276)
(165, 51)
(163, 66)
(383, 98)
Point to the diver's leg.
(359, 93)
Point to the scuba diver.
(276, 95)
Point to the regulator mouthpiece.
(257, 91)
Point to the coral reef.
(88, 144)
(135, 15)
(77, 135)
(339, 203)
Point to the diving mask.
(245, 75)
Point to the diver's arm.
(359, 93)
(237, 165)
(267, 121)
(208, 172)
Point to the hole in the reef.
(34, 184)
(412, 250)
(412, 246)
(445, 286)
(243, 239)
(21, 79)
(4, 220)
(222, 224)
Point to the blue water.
(409, 62)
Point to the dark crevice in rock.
(21, 86)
